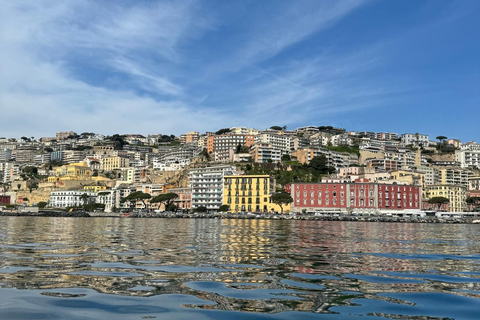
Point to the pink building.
(184, 200)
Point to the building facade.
(250, 193)
(207, 186)
(358, 197)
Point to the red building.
(4, 200)
(360, 196)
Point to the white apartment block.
(278, 141)
(222, 145)
(64, 199)
(415, 139)
(468, 158)
(387, 136)
(5, 155)
(341, 140)
(207, 186)
(244, 130)
(265, 153)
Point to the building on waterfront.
(361, 196)
(454, 193)
(184, 200)
(250, 193)
(66, 199)
(207, 186)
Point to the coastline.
(351, 218)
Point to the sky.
(170, 67)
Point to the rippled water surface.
(106, 268)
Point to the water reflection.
(260, 268)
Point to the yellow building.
(94, 188)
(455, 194)
(410, 177)
(74, 171)
(250, 193)
(112, 163)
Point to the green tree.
(32, 184)
(281, 198)
(223, 131)
(137, 196)
(224, 207)
(42, 204)
(278, 128)
(441, 138)
(165, 198)
(438, 201)
(286, 157)
(201, 209)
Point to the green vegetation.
(278, 128)
(281, 198)
(117, 140)
(166, 198)
(136, 196)
(438, 201)
(331, 130)
(347, 149)
(200, 209)
(292, 171)
(42, 204)
(224, 207)
(223, 131)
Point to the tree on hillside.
(278, 128)
(441, 138)
(320, 164)
(281, 198)
(438, 201)
(223, 131)
(117, 140)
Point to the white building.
(207, 186)
(415, 139)
(65, 199)
(468, 158)
(277, 141)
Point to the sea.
(125, 268)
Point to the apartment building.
(415, 139)
(361, 196)
(222, 144)
(112, 163)
(207, 186)
(250, 193)
(281, 142)
(468, 157)
(455, 194)
(265, 153)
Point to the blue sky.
(176, 66)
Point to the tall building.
(207, 186)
